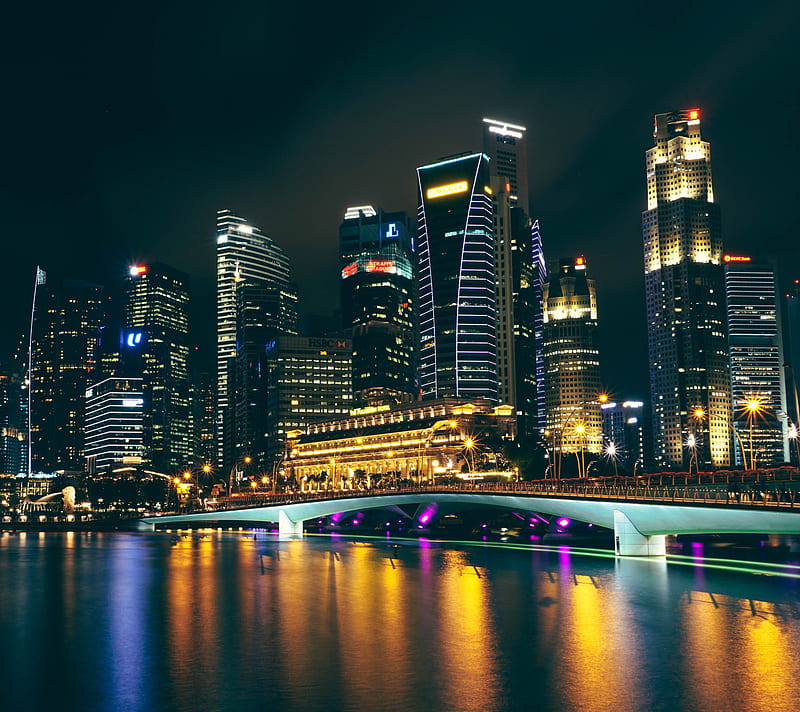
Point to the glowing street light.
(611, 451)
(753, 407)
(691, 444)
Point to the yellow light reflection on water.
(469, 650)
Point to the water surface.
(223, 621)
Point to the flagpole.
(40, 279)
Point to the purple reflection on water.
(336, 518)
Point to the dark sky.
(126, 126)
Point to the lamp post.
(611, 452)
(691, 444)
(753, 407)
(698, 415)
(793, 435)
(571, 415)
(246, 460)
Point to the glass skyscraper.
(685, 290)
(520, 274)
(378, 289)
(243, 253)
(67, 321)
(756, 358)
(458, 302)
(155, 347)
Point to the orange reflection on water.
(469, 647)
(599, 654)
(765, 656)
(192, 620)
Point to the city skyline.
(129, 145)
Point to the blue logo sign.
(392, 230)
(134, 338)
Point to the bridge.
(640, 516)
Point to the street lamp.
(753, 407)
(793, 435)
(698, 415)
(246, 460)
(611, 452)
(691, 444)
(599, 400)
(580, 429)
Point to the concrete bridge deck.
(641, 517)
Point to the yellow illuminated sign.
(449, 189)
(368, 410)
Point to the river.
(223, 621)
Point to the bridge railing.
(749, 497)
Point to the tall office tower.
(114, 423)
(572, 359)
(157, 332)
(624, 433)
(520, 269)
(67, 321)
(263, 312)
(504, 143)
(13, 421)
(377, 262)
(756, 362)
(243, 253)
(537, 297)
(457, 300)
(685, 289)
(310, 380)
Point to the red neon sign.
(736, 258)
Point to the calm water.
(219, 621)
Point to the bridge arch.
(639, 527)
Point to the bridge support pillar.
(629, 541)
(287, 527)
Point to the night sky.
(126, 126)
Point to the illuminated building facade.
(310, 379)
(155, 347)
(114, 424)
(13, 422)
(756, 361)
(572, 359)
(520, 275)
(67, 322)
(505, 145)
(458, 302)
(624, 433)
(243, 253)
(411, 441)
(685, 290)
(378, 297)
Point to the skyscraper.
(520, 274)
(756, 361)
(114, 423)
(685, 291)
(13, 421)
(505, 145)
(377, 262)
(264, 311)
(458, 303)
(156, 337)
(67, 321)
(572, 360)
(243, 253)
(310, 379)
